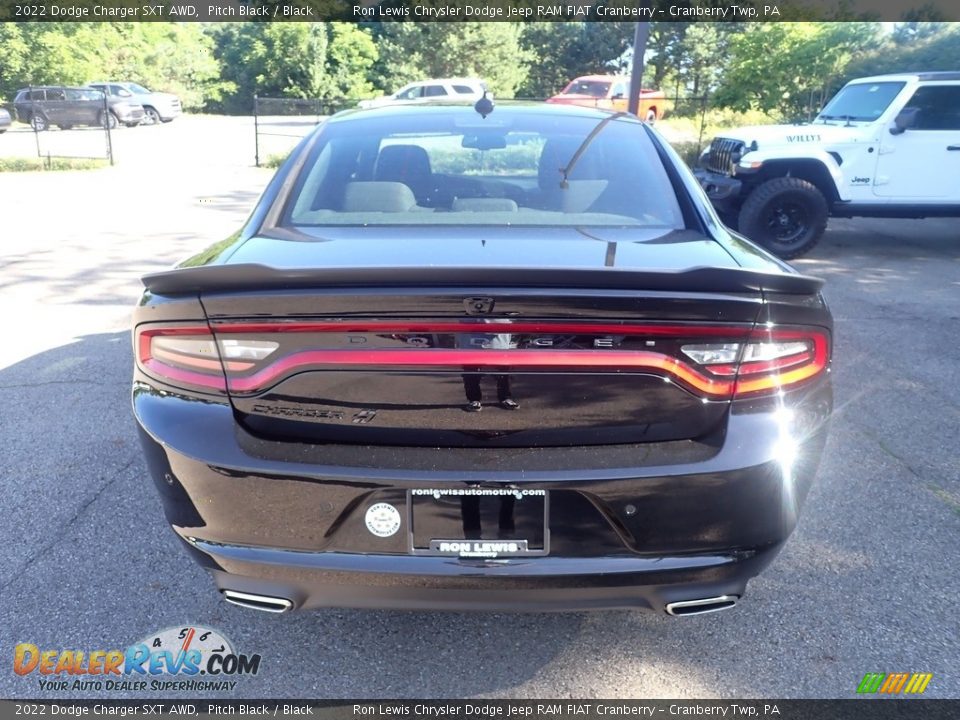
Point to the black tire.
(39, 122)
(65, 127)
(730, 220)
(151, 116)
(785, 215)
(109, 120)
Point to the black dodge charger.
(505, 359)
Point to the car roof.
(53, 87)
(907, 76)
(601, 78)
(478, 81)
(448, 107)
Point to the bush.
(17, 164)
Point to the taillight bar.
(197, 357)
(468, 360)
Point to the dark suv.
(67, 106)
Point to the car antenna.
(565, 171)
(484, 105)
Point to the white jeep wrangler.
(886, 146)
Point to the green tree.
(164, 56)
(416, 51)
(562, 51)
(13, 54)
(789, 68)
(936, 50)
(351, 54)
(664, 50)
(270, 59)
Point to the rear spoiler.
(249, 276)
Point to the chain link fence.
(280, 123)
(67, 123)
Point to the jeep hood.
(767, 136)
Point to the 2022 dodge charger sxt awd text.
(502, 360)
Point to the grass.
(690, 134)
(19, 164)
(274, 161)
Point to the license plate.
(479, 522)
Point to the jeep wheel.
(785, 215)
(39, 122)
(150, 116)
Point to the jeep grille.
(721, 160)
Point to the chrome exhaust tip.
(702, 606)
(263, 603)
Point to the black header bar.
(163, 709)
(474, 10)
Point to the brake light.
(768, 361)
(188, 356)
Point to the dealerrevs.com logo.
(182, 658)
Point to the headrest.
(377, 197)
(579, 195)
(557, 154)
(401, 163)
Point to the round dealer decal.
(383, 519)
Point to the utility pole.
(640, 36)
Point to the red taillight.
(183, 356)
(716, 362)
(770, 360)
(189, 356)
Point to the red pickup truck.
(610, 91)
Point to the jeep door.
(922, 164)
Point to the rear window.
(593, 88)
(510, 169)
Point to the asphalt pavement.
(868, 583)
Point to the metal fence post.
(33, 110)
(106, 127)
(256, 130)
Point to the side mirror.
(906, 119)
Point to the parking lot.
(868, 583)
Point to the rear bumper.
(319, 580)
(630, 527)
(168, 112)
